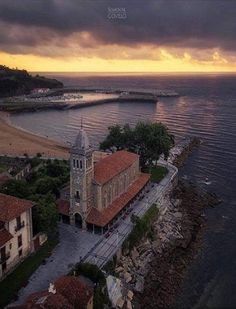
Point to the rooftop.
(70, 292)
(101, 218)
(12, 207)
(82, 144)
(112, 165)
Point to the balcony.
(4, 258)
(19, 226)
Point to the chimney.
(52, 288)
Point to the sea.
(206, 108)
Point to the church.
(102, 186)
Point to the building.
(67, 292)
(101, 190)
(16, 233)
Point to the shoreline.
(17, 142)
(156, 266)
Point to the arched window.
(77, 196)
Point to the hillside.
(17, 82)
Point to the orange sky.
(164, 62)
(151, 36)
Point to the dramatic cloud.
(198, 24)
(196, 31)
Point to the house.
(101, 190)
(67, 292)
(16, 233)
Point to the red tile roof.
(63, 207)
(44, 299)
(73, 289)
(5, 236)
(112, 165)
(12, 207)
(71, 293)
(101, 218)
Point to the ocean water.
(207, 109)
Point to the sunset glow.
(155, 37)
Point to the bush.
(91, 271)
(142, 227)
(96, 276)
(18, 188)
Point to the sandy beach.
(16, 142)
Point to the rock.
(139, 286)
(127, 277)
(134, 254)
(130, 295)
(128, 304)
(120, 303)
(119, 269)
(178, 215)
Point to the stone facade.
(98, 181)
(81, 167)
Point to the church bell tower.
(81, 176)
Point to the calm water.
(207, 108)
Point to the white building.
(16, 236)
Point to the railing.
(19, 226)
(4, 258)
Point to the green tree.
(147, 139)
(45, 215)
(47, 184)
(18, 188)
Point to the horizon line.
(140, 72)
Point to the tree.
(147, 139)
(45, 215)
(47, 184)
(18, 188)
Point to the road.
(103, 251)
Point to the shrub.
(141, 228)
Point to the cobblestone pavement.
(73, 245)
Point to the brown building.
(100, 191)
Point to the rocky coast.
(155, 268)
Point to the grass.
(3, 168)
(158, 173)
(19, 277)
(142, 227)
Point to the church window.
(77, 163)
(73, 162)
(81, 164)
(77, 195)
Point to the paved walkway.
(74, 244)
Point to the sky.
(118, 35)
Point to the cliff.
(17, 82)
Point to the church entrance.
(78, 220)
